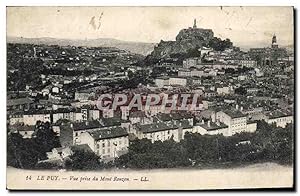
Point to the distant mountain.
(134, 47)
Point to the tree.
(84, 160)
(45, 139)
(20, 152)
(240, 91)
(143, 154)
(219, 44)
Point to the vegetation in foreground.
(268, 144)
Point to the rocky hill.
(185, 40)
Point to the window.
(108, 150)
(76, 134)
(98, 146)
(103, 145)
(108, 143)
(103, 151)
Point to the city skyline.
(244, 26)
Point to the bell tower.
(274, 42)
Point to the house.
(56, 89)
(77, 128)
(225, 90)
(177, 116)
(16, 118)
(107, 113)
(31, 117)
(235, 120)
(162, 130)
(75, 114)
(83, 95)
(139, 117)
(22, 104)
(280, 118)
(64, 152)
(209, 93)
(46, 91)
(161, 82)
(191, 62)
(94, 114)
(177, 81)
(63, 113)
(196, 80)
(158, 131)
(248, 63)
(184, 72)
(107, 143)
(211, 128)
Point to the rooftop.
(234, 113)
(86, 125)
(156, 127)
(22, 127)
(19, 101)
(277, 114)
(109, 133)
(213, 126)
(93, 124)
(83, 147)
(173, 116)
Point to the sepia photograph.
(150, 98)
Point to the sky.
(242, 25)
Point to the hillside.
(134, 47)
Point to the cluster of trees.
(240, 91)
(220, 45)
(63, 71)
(242, 70)
(25, 153)
(29, 71)
(145, 154)
(190, 53)
(84, 160)
(134, 79)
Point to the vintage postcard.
(150, 98)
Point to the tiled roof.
(83, 147)
(19, 101)
(109, 133)
(213, 126)
(234, 113)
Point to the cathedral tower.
(274, 42)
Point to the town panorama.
(244, 113)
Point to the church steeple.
(195, 23)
